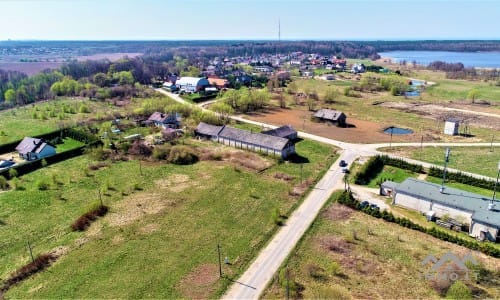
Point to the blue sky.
(245, 19)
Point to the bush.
(42, 185)
(161, 152)
(84, 221)
(458, 290)
(3, 183)
(40, 263)
(182, 155)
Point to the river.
(469, 59)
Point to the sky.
(249, 19)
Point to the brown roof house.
(333, 116)
(33, 149)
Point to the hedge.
(346, 198)
(463, 178)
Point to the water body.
(398, 131)
(469, 59)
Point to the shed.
(192, 84)
(451, 126)
(208, 131)
(285, 131)
(331, 115)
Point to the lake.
(469, 59)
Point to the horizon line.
(258, 40)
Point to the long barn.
(246, 140)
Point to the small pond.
(415, 87)
(397, 130)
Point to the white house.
(33, 149)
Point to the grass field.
(17, 123)
(159, 239)
(347, 254)
(478, 160)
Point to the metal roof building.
(469, 208)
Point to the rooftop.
(463, 200)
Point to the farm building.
(285, 131)
(192, 84)
(451, 126)
(243, 139)
(333, 116)
(33, 149)
(172, 120)
(472, 210)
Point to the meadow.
(347, 254)
(159, 239)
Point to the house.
(451, 126)
(308, 74)
(33, 149)
(172, 120)
(475, 211)
(358, 68)
(243, 139)
(192, 84)
(285, 131)
(208, 131)
(219, 82)
(333, 116)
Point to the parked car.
(364, 204)
(374, 206)
(345, 170)
(6, 164)
(342, 163)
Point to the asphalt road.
(256, 278)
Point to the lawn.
(159, 239)
(478, 160)
(45, 117)
(347, 254)
(393, 174)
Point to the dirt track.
(358, 131)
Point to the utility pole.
(31, 252)
(100, 197)
(496, 183)
(287, 283)
(220, 264)
(390, 143)
(446, 160)
(491, 145)
(301, 168)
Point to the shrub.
(42, 185)
(3, 183)
(40, 263)
(84, 221)
(161, 152)
(458, 290)
(12, 173)
(182, 155)
(140, 148)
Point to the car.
(374, 206)
(6, 164)
(345, 170)
(364, 204)
(342, 163)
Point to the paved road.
(256, 278)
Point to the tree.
(10, 96)
(124, 77)
(292, 87)
(223, 109)
(100, 79)
(473, 94)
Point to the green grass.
(393, 174)
(19, 122)
(68, 144)
(214, 202)
(376, 255)
(478, 160)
